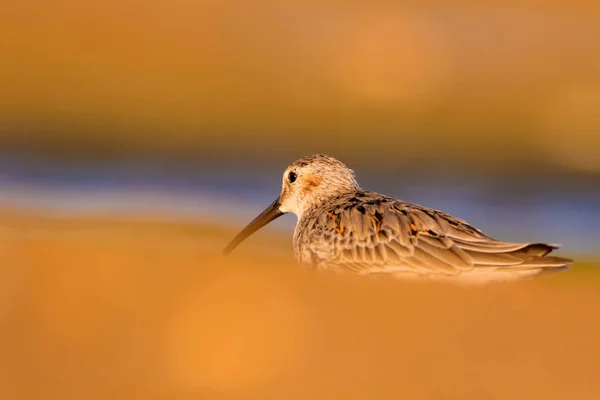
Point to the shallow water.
(527, 207)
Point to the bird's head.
(307, 183)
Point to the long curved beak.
(270, 213)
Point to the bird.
(343, 228)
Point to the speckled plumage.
(343, 228)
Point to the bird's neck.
(320, 204)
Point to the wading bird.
(344, 228)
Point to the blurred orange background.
(95, 308)
(136, 137)
(516, 81)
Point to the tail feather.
(535, 255)
(537, 249)
(544, 262)
(536, 260)
(520, 261)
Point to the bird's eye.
(292, 177)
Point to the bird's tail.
(537, 262)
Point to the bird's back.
(369, 233)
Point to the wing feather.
(378, 234)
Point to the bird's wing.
(384, 235)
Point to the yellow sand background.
(114, 308)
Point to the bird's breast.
(311, 247)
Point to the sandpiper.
(344, 228)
